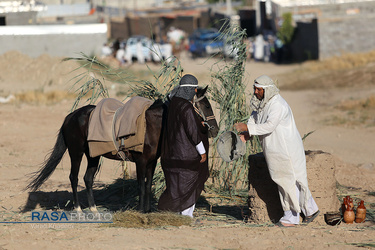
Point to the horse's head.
(205, 111)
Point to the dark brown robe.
(184, 174)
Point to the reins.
(198, 99)
(197, 109)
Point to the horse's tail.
(49, 165)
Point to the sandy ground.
(28, 132)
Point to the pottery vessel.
(343, 206)
(349, 215)
(361, 212)
(350, 202)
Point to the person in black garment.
(184, 151)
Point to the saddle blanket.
(112, 120)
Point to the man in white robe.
(272, 120)
(259, 48)
(140, 55)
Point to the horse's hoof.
(78, 209)
(94, 210)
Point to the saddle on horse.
(115, 126)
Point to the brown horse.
(73, 136)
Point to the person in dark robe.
(184, 151)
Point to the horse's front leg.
(148, 192)
(92, 167)
(141, 178)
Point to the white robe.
(259, 47)
(140, 55)
(283, 150)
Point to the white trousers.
(292, 217)
(189, 211)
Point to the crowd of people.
(260, 48)
(265, 48)
(143, 49)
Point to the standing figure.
(272, 120)
(140, 55)
(184, 151)
(259, 48)
(120, 54)
(106, 51)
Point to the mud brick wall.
(264, 201)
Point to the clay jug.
(343, 206)
(349, 215)
(350, 202)
(361, 212)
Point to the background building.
(328, 28)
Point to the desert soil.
(28, 130)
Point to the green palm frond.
(228, 90)
(92, 82)
(165, 80)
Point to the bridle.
(197, 109)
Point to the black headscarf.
(186, 88)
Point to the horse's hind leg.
(92, 167)
(75, 160)
(145, 172)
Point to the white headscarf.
(270, 90)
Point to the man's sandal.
(310, 218)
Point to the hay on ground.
(134, 219)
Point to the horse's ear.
(201, 91)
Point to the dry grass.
(348, 70)
(344, 62)
(134, 219)
(365, 103)
(40, 97)
(356, 112)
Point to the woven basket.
(333, 218)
